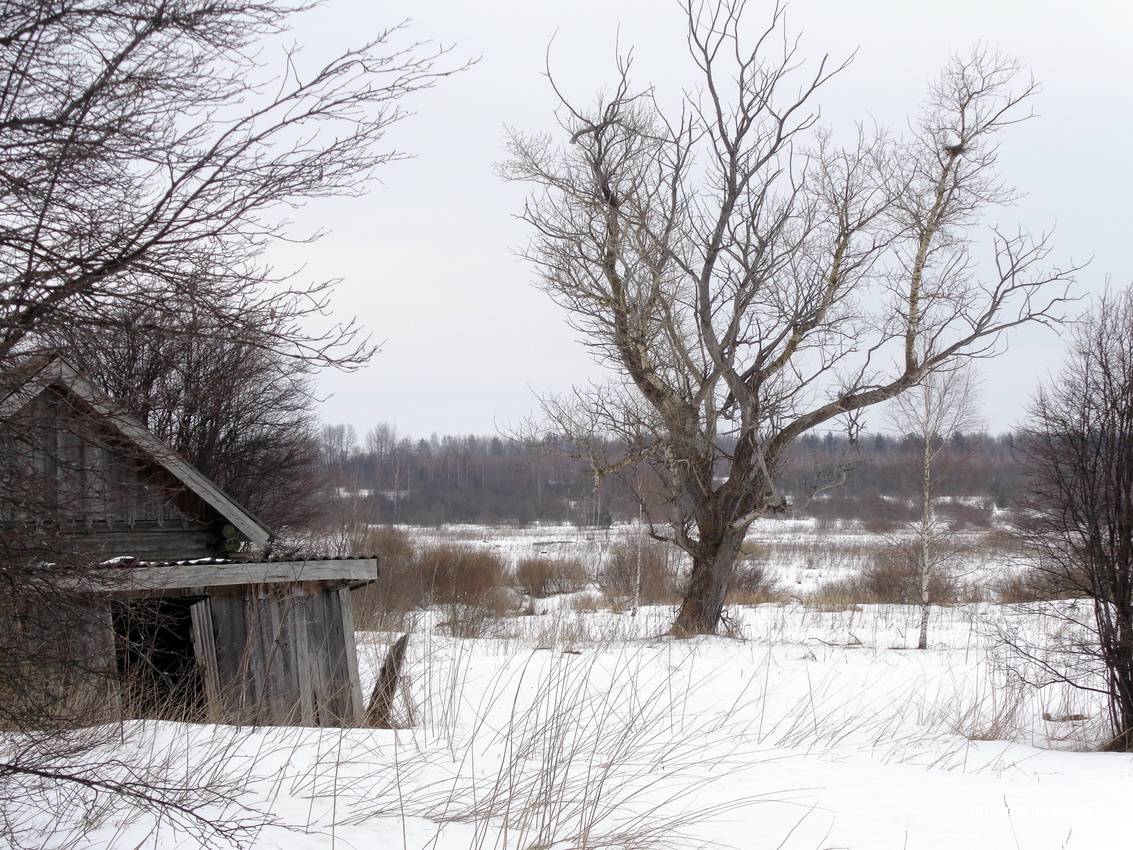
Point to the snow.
(568, 729)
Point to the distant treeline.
(470, 479)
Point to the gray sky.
(428, 258)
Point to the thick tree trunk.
(708, 585)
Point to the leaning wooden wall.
(281, 654)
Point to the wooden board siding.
(162, 544)
(64, 417)
(204, 650)
(283, 656)
(266, 642)
(233, 659)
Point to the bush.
(541, 577)
(894, 576)
(1035, 585)
(459, 575)
(400, 588)
(465, 581)
(751, 585)
(648, 560)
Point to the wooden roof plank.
(178, 576)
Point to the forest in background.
(493, 480)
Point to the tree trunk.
(1121, 679)
(708, 585)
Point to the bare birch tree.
(749, 279)
(943, 404)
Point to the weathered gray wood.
(270, 709)
(353, 679)
(89, 688)
(204, 649)
(229, 622)
(58, 372)
(321, 660)
(338, 678)
(154, 544)
(53, 378)
(381, 700)
(300, 627)
(215, 575)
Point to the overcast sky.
(427, 258)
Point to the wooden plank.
(321, 678)
(299, 623)
(216, 575)
(171, 543)
(204, 648)
(279, 703)
(255, 656)
(380, 710)
(338, 674)
(350, 648)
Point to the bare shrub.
(879, 525)
(639, 569)
(401, 587)
(965, 514)
(1035, 585)
(753, 585)
(542, 577)
(589, 603)
(894, 575)
(466, 581)
(459, 574)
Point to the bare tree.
(149, 150)
(145, 144)
(748, 279)
(944, 404)
(1079, 453)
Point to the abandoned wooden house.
(197, 619)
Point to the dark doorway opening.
(156, 659)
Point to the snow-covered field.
(589, 729)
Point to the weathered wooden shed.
(199, 621)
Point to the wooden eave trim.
(357, 571)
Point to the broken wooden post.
(381, 700)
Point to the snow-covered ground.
(572, 729)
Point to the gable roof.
(32, 377)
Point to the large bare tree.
(749, 279)
(1079, 451)
(149, 145)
